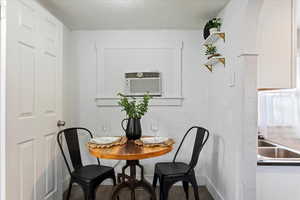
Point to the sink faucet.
(260, 136)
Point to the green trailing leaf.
(134, 109)
(210, 49)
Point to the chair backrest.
(201, 138)
(71, 137)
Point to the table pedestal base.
(131, 181)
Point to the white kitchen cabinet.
(277, 182)
(276, 45)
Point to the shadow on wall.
(216, 163)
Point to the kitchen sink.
(269, 153)
(277, 153)
(262, 143)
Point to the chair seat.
(171, 168)
(89, 173)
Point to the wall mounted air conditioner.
(140, 83)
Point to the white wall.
(173, 121)
(231, 161)
(70, 83)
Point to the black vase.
(133, 129)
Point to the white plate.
(154, 140)
(104, 140)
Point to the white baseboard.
(66, 183)
(213, 190)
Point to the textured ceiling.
(134, 14)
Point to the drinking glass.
(155, 127)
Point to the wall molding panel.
(118, 57)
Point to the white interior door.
(34, 49)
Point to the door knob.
(61, 123)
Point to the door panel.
(27, 23)
(50, 40)
(27, 170)
(26, 81)
(48, 84)
(51, 164)
(33, 102)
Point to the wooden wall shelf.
(214, 61)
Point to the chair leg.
(69, 190)
(89, 194)
(115, 183)
(154, 181)
(132, 194)
(165, 191)
(114, 180)
(185, 185)
(195, 187)
(119, 176)
(160, 190)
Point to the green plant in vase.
(214, 25)
(134, 109)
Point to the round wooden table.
(132, 153)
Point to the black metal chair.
(89, 177)
(169, 173)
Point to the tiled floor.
(176, 193)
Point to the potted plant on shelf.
(211, 51)
(134, 109)
(214, 25)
